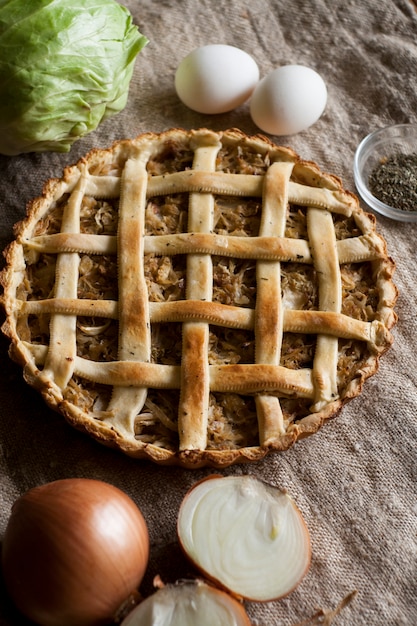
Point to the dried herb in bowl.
(394, 181)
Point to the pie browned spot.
(197, 297)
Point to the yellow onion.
(74, 550)
(188, 604)
(246, 536)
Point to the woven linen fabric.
(356, 480)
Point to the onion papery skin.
(245, 536)
(188, 604)
(73, 552)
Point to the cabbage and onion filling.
(232, 417)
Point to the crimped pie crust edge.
(191, 458)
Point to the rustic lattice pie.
(197, 298)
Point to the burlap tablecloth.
(356, 480)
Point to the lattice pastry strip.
(133, 314)
(195, 382)
(62, 347)
(252, 298)
(269, 313)
(323, 245)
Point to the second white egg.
(216, 78)
(288, 100)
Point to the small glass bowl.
(382, 143)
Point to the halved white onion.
(188, 604)
(247, 536)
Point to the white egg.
(216, 78)
(288, 100)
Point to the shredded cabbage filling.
(232, 417)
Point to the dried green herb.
(394, 181)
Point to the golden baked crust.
(197, 297)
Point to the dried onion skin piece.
(188, 604)
(245, 535)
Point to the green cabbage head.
(65, 65)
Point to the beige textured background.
(356, 480)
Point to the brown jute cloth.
(356, 480)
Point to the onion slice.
(188, 604)
(245, 535)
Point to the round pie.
(197, 297)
